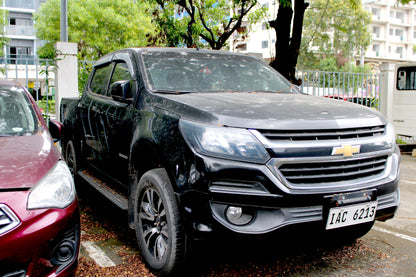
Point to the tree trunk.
(282, 26)
(287, 47)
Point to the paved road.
(397, 237)
(389, 249)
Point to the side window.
(99, 81)
(406, 78)
(122, 74)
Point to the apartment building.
(20, 31)
(393, 33)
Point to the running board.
(118, 199)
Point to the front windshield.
(210, 72)
(17, 116)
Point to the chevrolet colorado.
(193, 142)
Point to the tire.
(157, 223)
(71, 159)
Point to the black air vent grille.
(333, 171)
(308, 135)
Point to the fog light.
(63, 253)
(237, 216)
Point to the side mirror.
(55, 128)
(121, 91)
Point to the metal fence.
(360, 88)
(38, 76)
(35, 74)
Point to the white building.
(393, 33)
(20, 31)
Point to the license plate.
(351, 215)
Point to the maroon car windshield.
(17, 117)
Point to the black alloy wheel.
(157, 223)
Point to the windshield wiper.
(268, 91)
(173, 91)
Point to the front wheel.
(71, 158)
(157, 223)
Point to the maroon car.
(39, 215)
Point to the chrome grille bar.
(333, 171)
(305, 135)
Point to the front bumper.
(44, 242)
(271, 202)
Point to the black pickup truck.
(192, 142)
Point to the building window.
(391, 31)
(264, 26)
(376, 48)
(12, 21)
(242, 47)
(376, 12)
(399, 50)
(376, 31)
(400, 16)
(264, 44)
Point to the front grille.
(314, 135)
(333, 171)
(8, 220)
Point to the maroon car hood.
(24, 160)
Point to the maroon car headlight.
(55, 190)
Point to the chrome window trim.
(12, 216)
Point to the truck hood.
(271, 111)
(24, 160)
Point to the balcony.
(20, 4)
(15, 30)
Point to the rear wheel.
(157, 223)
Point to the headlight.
(223, 142)
(55, 190)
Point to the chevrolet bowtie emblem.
(346, 150)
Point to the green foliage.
(3, 23)
(84, 69)
(47, 105)
(202, 23)
(334, 28)
(98, 27)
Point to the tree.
(288, 39)
(98, 27)
(3, 23)
(334, 29)
(201, 23)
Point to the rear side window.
(99, 82)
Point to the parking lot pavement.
(109, 247)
